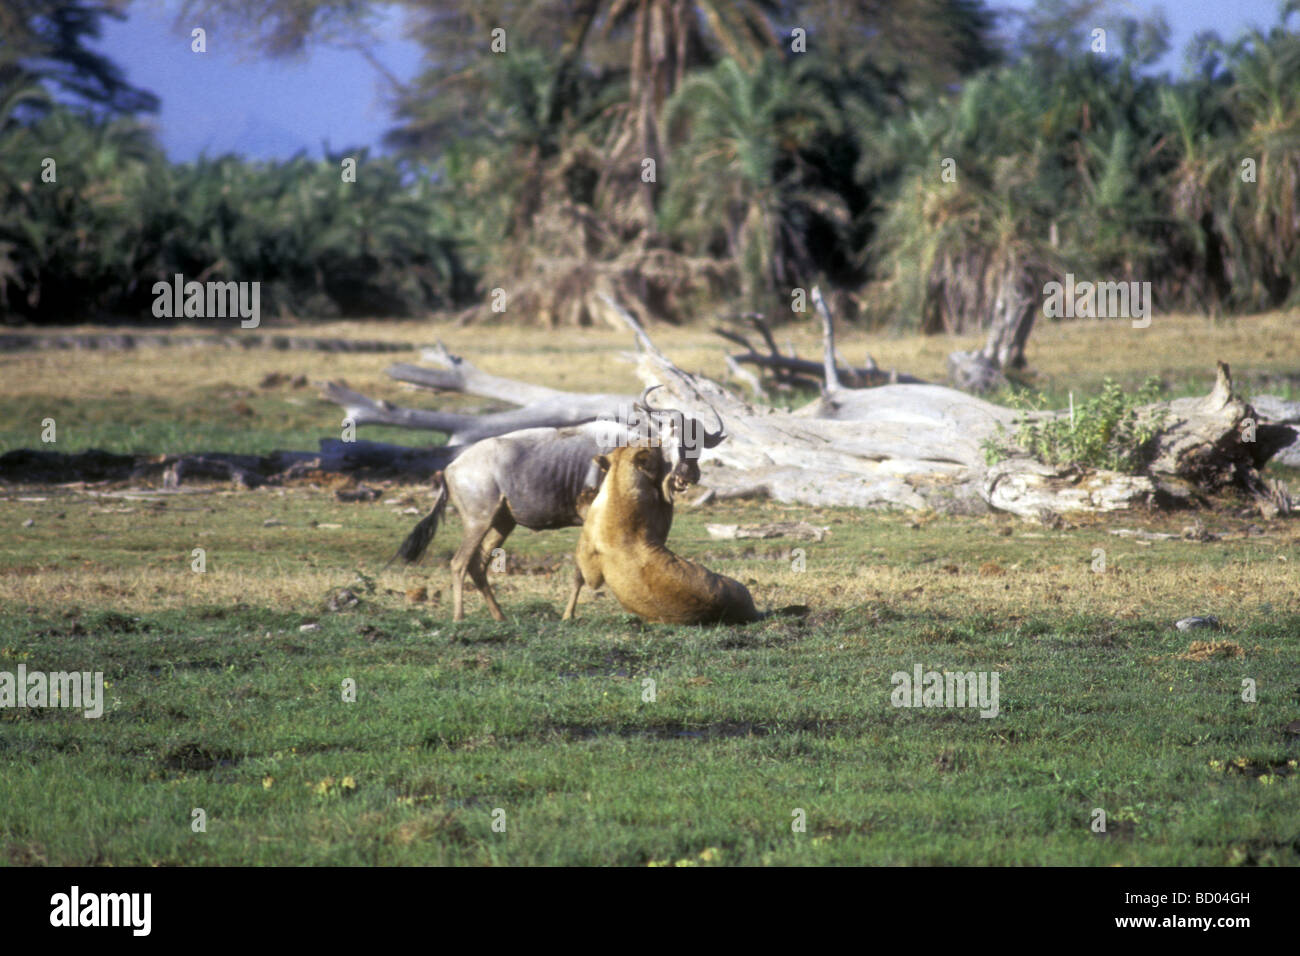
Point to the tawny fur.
(623, 546)
(544, 478)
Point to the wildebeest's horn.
(644, 401)
(709, 439)
(714, 439)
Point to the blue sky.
(233, 100)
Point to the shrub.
(1108, 431)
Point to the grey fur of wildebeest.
(544, 478)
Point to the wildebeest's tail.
(413, 548)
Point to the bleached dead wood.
(559, 410)
(800, 530)
(922, 446)
(540, 406)
(1279, 426)
(903, 452)
(898, 445)
(789, 369)
(459, 375)
(1144, 535)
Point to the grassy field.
(225, 688)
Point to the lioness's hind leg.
(587, 571)
(571, 608)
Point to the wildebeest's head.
(682, 438)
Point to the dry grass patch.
(1208, 650)
(1056, 350)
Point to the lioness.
(622, 545)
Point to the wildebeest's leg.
(466, 559)
(502, 524)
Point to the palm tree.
(966, 254)
(67, 242)
(1264, 103)
(49, 41)
(1196, 246)
(667, 39)
(928, 45)
(1058, 166)
(738, 178)
(1238, 236)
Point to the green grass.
(1053, 390)
(234, 711)
(223, 703)
(211, 420)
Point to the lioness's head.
(636, 473)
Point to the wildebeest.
(619, 547)
(544, 478)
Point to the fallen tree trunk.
(456, 374)
(900, 445)
(541, 407)
(1279, 426)
(462, 429)
(923, 445)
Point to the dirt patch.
(436, 826)
(479, 661)
(1122, 830)
(1209, 650)
(524, 564)
(1253, 767)
(712, 731)
(196, 757)
(372, 634)
(617, 663)
(26, 853)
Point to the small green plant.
(1106, 431)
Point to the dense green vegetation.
(120, 218)
(1108, 430)
(774, 169)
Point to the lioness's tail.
(413, 548)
